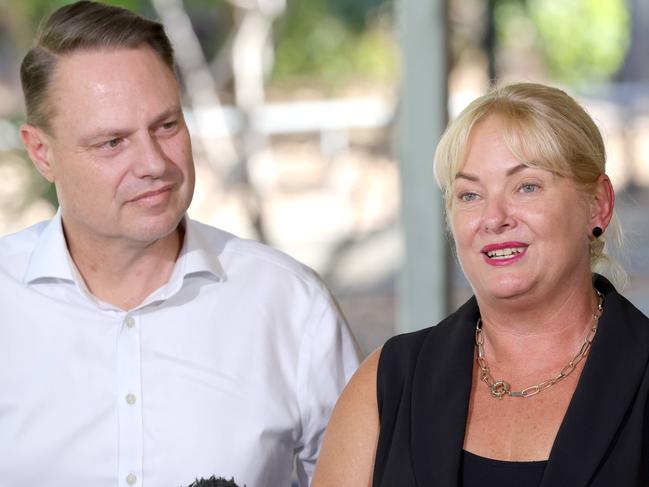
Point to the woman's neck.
(550, 330)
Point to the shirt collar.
(50, 258)
(195, 260)
(197, 256)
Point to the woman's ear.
(602, 203)
(37, 143)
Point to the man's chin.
(149, 232)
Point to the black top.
(423, 388)
(476, 471)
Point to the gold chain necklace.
(501, 387)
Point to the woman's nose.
(497, 216)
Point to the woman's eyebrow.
(471, 177)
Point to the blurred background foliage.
(582, 41)
(331, 43)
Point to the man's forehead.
(87, 66)
(112, 87)
(89, 60)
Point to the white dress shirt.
(230, 369)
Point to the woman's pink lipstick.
(504, 253)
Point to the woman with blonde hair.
(542, 377)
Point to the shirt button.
(129, 321)
(131, 479)
(130, 399)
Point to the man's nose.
(497, 215)
(151, 160)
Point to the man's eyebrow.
(116, 133)
(471, 177)
(174, 111)
(105, 133)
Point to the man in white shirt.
(138, 347)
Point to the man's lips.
(150, 194)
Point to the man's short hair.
(83, 25)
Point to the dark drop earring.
(597, 232)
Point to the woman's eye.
(468, 196)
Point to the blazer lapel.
(606, 388)
(440, 398)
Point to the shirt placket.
(129, 402)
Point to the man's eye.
(112, 143)
(169, 125)
(529, 187)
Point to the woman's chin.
(504, 289)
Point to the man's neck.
(124, 274)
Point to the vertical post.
(423, 287)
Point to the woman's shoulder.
(618, 308)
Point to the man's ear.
(603, 202)
(37, 144)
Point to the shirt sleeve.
(328, 358)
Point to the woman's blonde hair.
(544, 128)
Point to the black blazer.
(423, 386)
